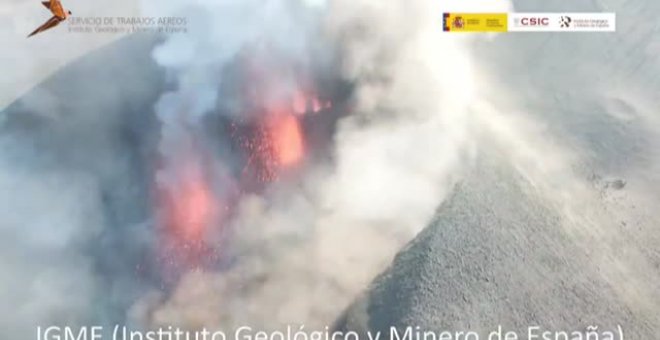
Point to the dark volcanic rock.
(497, 254)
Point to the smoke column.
(305, 248)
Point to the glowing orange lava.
(189, 206)
(287, 139)
(277, 143)
(189, 210)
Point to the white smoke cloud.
(42, 218)
(306, 249)
(66, 161)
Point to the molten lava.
(192, 198)
(286, 138)
(192, 206)
(188, 211)
(276, 143)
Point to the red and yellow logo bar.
(475, 22)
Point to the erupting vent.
(270, 142)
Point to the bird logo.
(59, 15)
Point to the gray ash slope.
(500, 251)
(497, 254)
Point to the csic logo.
(565, 21)
(540, 21)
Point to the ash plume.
(306, 247)
(72, 181)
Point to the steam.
(306, 248)
(38, 286)
(70, 187)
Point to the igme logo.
(565, 21)
(68, 333)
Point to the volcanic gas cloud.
(269, 140)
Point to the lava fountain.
(269, 143)
(275, 144)
(287, 140)
(189, 209)
(190, 205)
